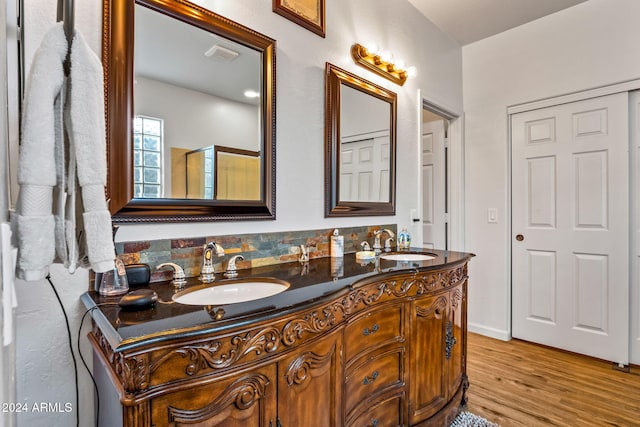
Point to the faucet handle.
(365, 246)
(231, 266)
(387, 243)
(179, 279)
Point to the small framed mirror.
(360, 146)
(182, 84)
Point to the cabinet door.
(455, 338)
(309, 385)
(428, 389)
(245, 399)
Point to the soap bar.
(138, 274)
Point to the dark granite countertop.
(316, 280)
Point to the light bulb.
(399, 64)
(251, 93)
(412, 71)
(372, 48)
(386, 56)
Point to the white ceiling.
(468, 21)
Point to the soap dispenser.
(404, 239)
(337, 244)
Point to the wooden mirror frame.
(334, 207)
(117, 59)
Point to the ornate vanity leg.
(465, 387)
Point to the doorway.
(434, 180)
(442, 192)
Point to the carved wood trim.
(243, 393)
(300, 370)
(216, 354)
(132, 371)
(138, 415)
(312, 323)
(456, 298)
(437, 308)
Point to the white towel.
(88, 140)
(46, 224)
(41, 163)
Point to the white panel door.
(634, 116)
(433, 185)
(364, 169)
(570, 281)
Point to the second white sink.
(399, 256)
(231, 291)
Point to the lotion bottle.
(404, 239)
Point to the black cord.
(95, 385)
(73, 356)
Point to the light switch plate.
(492, 215)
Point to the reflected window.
(147, 157)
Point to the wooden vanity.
(381, 345)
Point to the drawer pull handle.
(366, 331)
(371, 379)
(374, 422)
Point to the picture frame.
(306, 13)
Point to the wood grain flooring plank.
(517, 383)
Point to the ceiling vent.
(221, 53)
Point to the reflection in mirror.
(365, 149)
(182, 82)
(237, 174)
(360, 146)
(186, 65)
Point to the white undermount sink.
(399, 256)
(231, 291)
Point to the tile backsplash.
(258, 249)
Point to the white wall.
(44, 368)
(589, 45)
(196, 120)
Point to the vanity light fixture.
(381, 62)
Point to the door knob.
(519, 237)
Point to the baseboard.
(489, 332)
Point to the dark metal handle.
(449, 341)
(374, 422)
(371, 379)
(367, 331)
(519, 237)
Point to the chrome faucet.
(365, 246)
(376, 241)
(304, 254)
(231, 266)
(210, 250)
(179, 279)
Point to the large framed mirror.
(360, 146)
(182, 81)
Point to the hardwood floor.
(517, 383)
